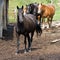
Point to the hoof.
(25, 51)
(29, 50)
(16, 53)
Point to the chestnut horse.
(46, 11)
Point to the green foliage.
(14, 3)
(48, 1)
(54, 1)
(57, 14)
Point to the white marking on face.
(24, 10)
(39, 8)
(38, 22)
(24, 13)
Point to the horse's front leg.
(32, 37)
(43, 23)
(50, 22)
(49, 19)
(25, 44)
(18, 43)
(29, 43)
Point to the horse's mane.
(48, 5)
(44, 5)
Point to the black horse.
(32, 8)
(26, 25)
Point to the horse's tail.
(38, 29)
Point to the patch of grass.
(57, 14)
(14, 3)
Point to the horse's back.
(52, 9)
(30, 17)
(49, 10)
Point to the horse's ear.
(26, 5)
(41, 3)
(17, 7)
(38, 3)
(22, 6)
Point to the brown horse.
(46, 11)
(26, 25)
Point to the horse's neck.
(17, 19)
(44, 7)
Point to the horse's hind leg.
(32, 37)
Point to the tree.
(48, 1)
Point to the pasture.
(42, 46)
(14, 3)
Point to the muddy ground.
(42, 48)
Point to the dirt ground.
(42, 48)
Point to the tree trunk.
(5, 14)
(1, 22)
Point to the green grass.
(14, 3)
(57, 14)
